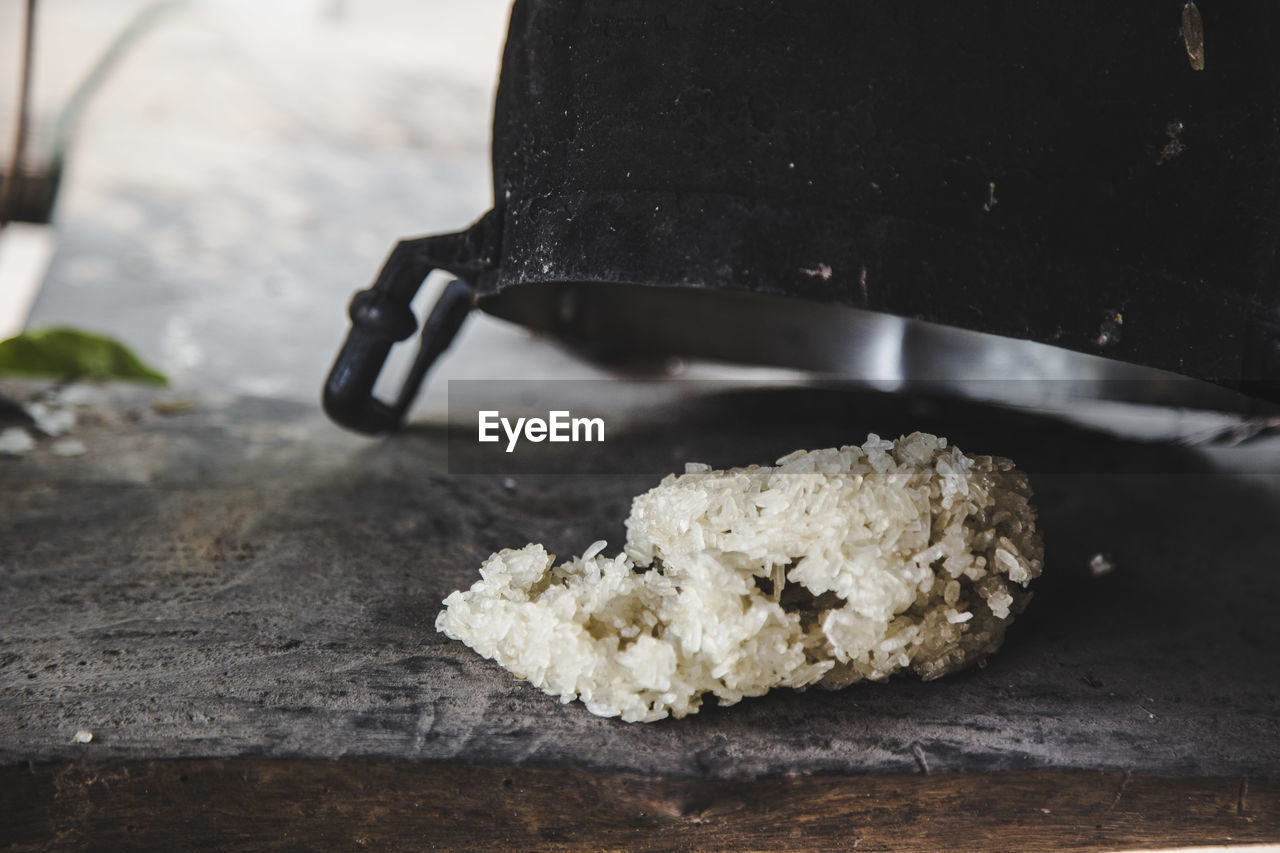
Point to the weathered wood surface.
(243, 580)
(353, 804)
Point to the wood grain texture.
(319, 805)
(243, 581)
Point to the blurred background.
(234, 171)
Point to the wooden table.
(237, 601)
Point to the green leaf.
(72, 354)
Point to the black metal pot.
(701, 177)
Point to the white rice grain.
(832, 567)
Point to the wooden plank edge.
(261, 804)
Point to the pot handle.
(381, 317)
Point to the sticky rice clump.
(831, 567)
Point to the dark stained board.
(351, 805)
(242, 580)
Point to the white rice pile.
(833, 567)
